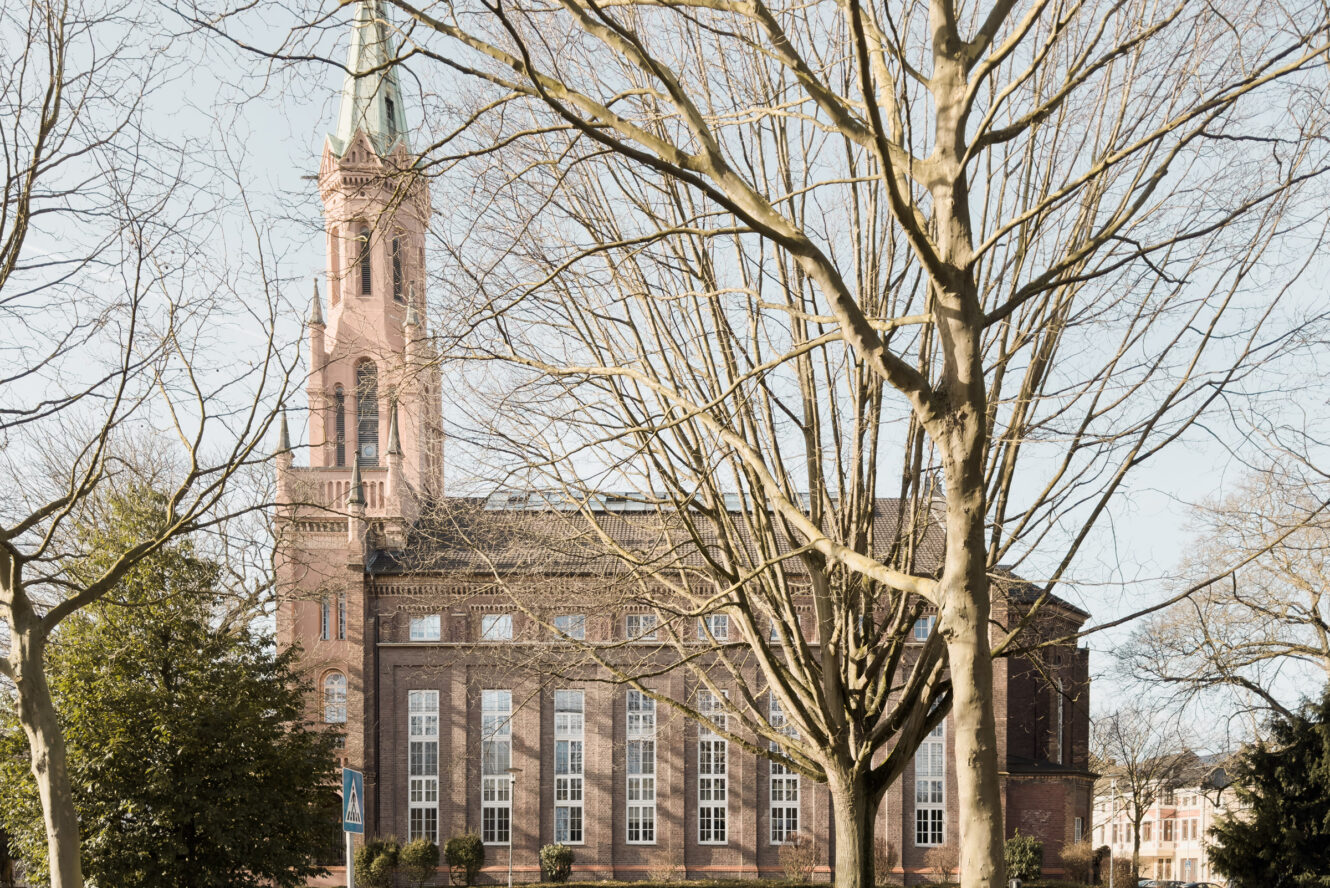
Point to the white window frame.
(713, 778)
(571, 625)
(640, 769)
(569, 767)
(1059, 720)
(923, 627)
(496, 757)
(422, 793)
(334, 700)
(341, 616)
(325, 618)
(717, 625)
(428, 627)
(784, 800)
(930, 789)
(641, 627)
(496, 627)
(1077, 829)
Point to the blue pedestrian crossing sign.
(353, 801)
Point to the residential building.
(1174, 827)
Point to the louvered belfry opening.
(339, 425)
(367, 412)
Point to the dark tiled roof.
(464, 535)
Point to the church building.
(465, 714)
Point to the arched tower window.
(339, 425)
(362, 241)
(334, 698)
(367, 412)
(397, 269)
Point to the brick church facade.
(464, 710)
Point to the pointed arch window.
(397, 269)
(362, 245)
(334, 698)
(367, 412)
(339, 425)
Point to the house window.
(423, 765)
(1077, 829)
(1168, 830)
(325, 618)
(397, 270)
(923, 627)
(362, 260)
(930, 774)
(427, 628)
(571, 625)
(496, 751)
(568, 773)
(1059, 701)
(784, 783)
(339, 425)
(496, 627)
(1147, 830)
(713, 789)
(713, 626)
(341, 616)
(641, 737)
(334, 698)
(640, 627)
(367, 412)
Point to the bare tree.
(988, 260)
(1258, 631)
(1144, 757)
(106, 342)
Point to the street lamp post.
(512, 798)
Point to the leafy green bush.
(556, 862)
(1025, 857)
(419, 860)
(465, 855)
(376, 862)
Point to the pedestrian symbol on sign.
(353, 801)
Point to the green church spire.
(371, 93)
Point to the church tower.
(375, 449)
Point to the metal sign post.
(353, 817)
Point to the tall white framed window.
(325, 618)
(571, 625)
(496, 756)
(713, 779)
(640, 627)
(1059, 702)
(427, 628)
(713, 626)
(641, 751)
(341, 616)
(496, 627)
(423, 765)
(784, 782)
(930, 781)
(334, 698)
(569, 719)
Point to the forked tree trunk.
(853, 814)
(49, 766)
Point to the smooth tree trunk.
(49, 765)
(853, 813)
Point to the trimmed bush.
(465, 855)
(556, 862)
(798, 855)
(419, 860)
(1025, 857)
(1078, 861)
(376, 862)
